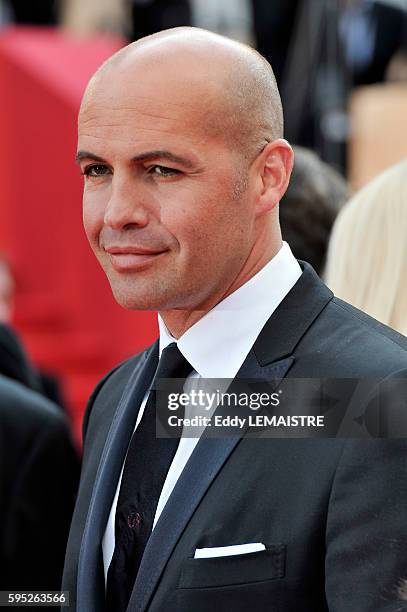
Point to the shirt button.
(134, 520)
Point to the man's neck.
(179, 321)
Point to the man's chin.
(146, 299)
(136, 302)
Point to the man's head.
(180, 141)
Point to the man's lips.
(131, 258)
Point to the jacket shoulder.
(345, 342)
(383, 332)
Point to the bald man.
(184, 164)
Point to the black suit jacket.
(39, 473)
(390, 24)
(13, 360)
(331, 512)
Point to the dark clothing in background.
(273, 27)
(390, 25)
(39, 472)
(14, 362)
(51, 388)
(153, 15)
(34, 12)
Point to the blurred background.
(341, 66)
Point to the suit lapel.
(293, 317)
(90, 589)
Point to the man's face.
(161, 205)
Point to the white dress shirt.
(216, 347)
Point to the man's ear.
(275, 164)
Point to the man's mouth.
(131, 258)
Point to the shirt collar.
(217, 344)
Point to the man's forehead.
(148, 120)
(148, 112)
(135, 111)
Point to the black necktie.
(145, 469)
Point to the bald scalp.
(242, 101)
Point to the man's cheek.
(93, 216)
(87, 223)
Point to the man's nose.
(125, 206)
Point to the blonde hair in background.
(367, 254)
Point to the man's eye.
(163, 171)
(96, 170)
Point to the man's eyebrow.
(87, 155)
(141, 157)
(160, 154)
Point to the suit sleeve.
(366, 536)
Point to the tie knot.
(173, 364)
